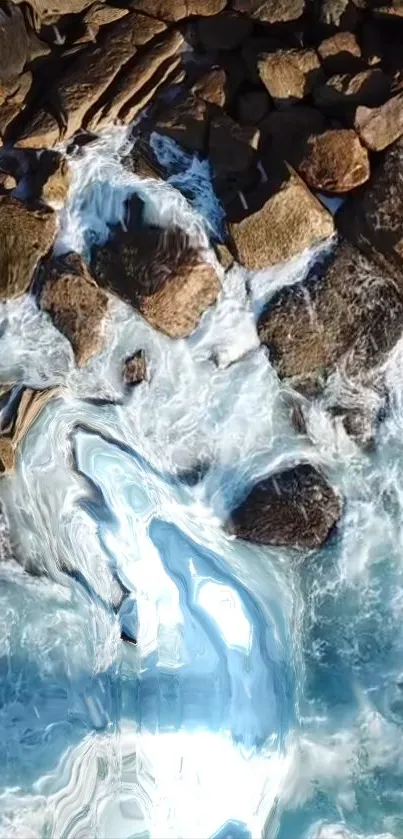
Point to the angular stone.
(351, 315)
(212, 87)
(290, 220)
(135, 370)
(133, 81)
(160, 274)
(252, 106)
(51, 179)
(86, 80)
(76, 305)
(340, 13)
(370, 87)
(295, 508)
(7, 455)
(50, 11)
(186, 122)
(7, 182)
(225, 32)
(224, 256)
(100, 14)
(173, 10)
(284, 131)
(373, 219)
(380, 127)
(15, 102)
(26, 235)
(334, 161)
(270, 11)
(340, 53)
(231, 147)
(289, 75)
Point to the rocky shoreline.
(292, 103)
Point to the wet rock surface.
(26, 235)
(295, 508)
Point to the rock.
(159, 273)
(83, 83)
(373, 219)
(100, 14)
(340, 53)
(289, 221)
(270, 11)
(372, 43)
(13, 42)
(135, 370)
(351, 315)
(252, 106)
(138, 82)
(370, 87)
(7, 182)
(14, 100)
(7, 455)
(186, 122)
(50, 11)
(51, 179)
(231, 147)
(226, 32)
(173, 10)
(295, 508)
(334, 161)
(212, 87)
(224, 256)
(283, 132)
(380, 127)
(26, 235)
(76, 305)
(289, 75)
(340, 13)
(391, 12)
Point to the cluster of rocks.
(291, 101)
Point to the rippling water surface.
(265, 694)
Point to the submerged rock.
(159, 272)
(334, 161)
(26, 235)
(295, 508)
(352, 313)
(76, 305)
(135, 369)
(288, 221)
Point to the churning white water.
(265, 694)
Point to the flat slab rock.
(27, 233)
(76, 305)
(160, 274)
(288, 221)
(295, 508)
(352, 312)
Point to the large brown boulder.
(212, 87)
(369, 87)
(373, 219)
(186, 121)
(270, 11)
(283, 132)
(289, 74)
(224, 32)
(289, 220)
(334, 161)
(351, 315)
(295, 508)
(340, 53)
(18, 45)
(84, 82)
(26, 235)
(231, 147)
(252, 106)
(380, 127)
(14, 95)
(173, 10)
(159, 272)
(76, 305)
(340, 13)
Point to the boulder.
(138, 82)
(84, 82)
(270, 11)
(135, 370)
(289, 220)
(51, 179)
(289, 74)
(252, 106)
(283, 132)
(186, 122)
(225, 32)
(14, 41)
(340, 13)
(369, 87)
(352, 314)
(50, 11)
(295, 508)
(173, 10)
(373, 219)
(231, 147)
(7, 455)
(213, 87)
(340, 53)
(159, 272)
(334, 161)
(76, 305)
(380, 127)
(26, 235)
(14, 95)
(7, 182)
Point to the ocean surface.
(265, 695)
